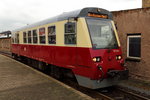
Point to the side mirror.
(70, 27)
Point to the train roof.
(66, 15)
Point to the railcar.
(84, 42)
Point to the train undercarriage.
(55, 71)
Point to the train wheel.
(35, 63)
(41, 66)
(14, 56)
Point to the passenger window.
(29, 37)
(42, 35)
(17, 38)
(24, 37)
(70, 33)
(51, 35)
(12, 40)
(34, 36)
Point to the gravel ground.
(136, 85)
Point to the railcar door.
(66, 52)
(70, 44)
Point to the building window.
(34, 36)
(42, 35)
(70, 33)
(51, 35)
(24, 37)
(29, 37)
(134, 46)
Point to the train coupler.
(119, 74)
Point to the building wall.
(5, 44)
(145, 3)
(135, 21)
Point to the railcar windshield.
(102, 34)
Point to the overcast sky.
(17, 13)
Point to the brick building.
(134, 31)
(146, 3)
(5, 41)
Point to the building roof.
(5, 32)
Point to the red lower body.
(78, 59)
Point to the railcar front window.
(102, 34)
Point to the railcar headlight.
(96, 59)
(118, 57)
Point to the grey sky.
(18, 13)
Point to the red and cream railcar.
(84, 41)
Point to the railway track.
(133, 95)
(124, 94)
(8, 54)
(111, 93)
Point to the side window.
(51, 35)
(29, 37)
(70, 33)
(134, 46)
(12, 39)
(24, 37)
(34, 36)
(42, 35)
(16, 37)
